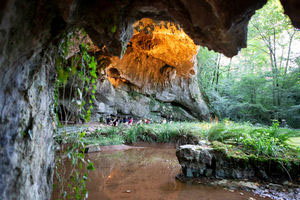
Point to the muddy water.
(147, 173)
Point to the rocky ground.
(286, 191)
(202, 164)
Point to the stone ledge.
(205, 161)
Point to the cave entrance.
(159, 61)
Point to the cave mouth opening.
(159, 61)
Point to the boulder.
(205, 161)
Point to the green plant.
(76, 79)
(261, 141)
(270, 142)
(75, 86)
(131, 135)
(218, 132)
(104, 140)
(75, 154)
(260, 84)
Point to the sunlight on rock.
(156, 54)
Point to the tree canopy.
(262, 83)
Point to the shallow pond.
(147, 172)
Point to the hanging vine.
(76, 76)
(75, 88)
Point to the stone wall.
(124, 101)
(26, 99)
(27, 156)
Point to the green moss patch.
(240, 153)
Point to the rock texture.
(207, 22)
(204, 161)
(26, 154)
(124, 101)
(28, 28)
(219, 25)
(156, 77)
(26, 98)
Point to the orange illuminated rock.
(156, 54)
(160, 62)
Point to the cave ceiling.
(160, 37)
(220, 25)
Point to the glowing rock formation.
(156, 54)
(160, 61)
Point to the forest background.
(262, 83)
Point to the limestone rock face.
(26, 154)
(124, 101)
(155, 78)
(219, 25)
(26, 128)
(26, 99)
(159, 64)
(204, 161)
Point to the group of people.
(115, 121)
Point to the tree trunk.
(272, 66)
(289, 51)
(229, 68)
(218, 73)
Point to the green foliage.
(260, 141)
(102, 140)
(157, 132)
(113, 29)
(267, 141)
(206, 60)
(219, 132)
(132, 134)
(270, 141)
(75, 154)
(163, 133)
(262, 82)
(75, 80)
(109, 130)
(294, 141)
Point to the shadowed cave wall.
(29, 34)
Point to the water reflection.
(147, 174)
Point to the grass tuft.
(252, 140)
